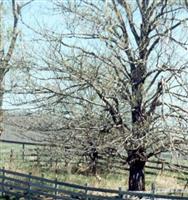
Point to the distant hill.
(22, 128)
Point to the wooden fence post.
(86, 185)
(3, 180)
(11, 155)
(153, 190)
(120, 193)
(23, 151)
(38, 160)
(56, 164)
(29, 186)
(55, 186)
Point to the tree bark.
(136, 154)
(136, 160)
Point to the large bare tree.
(127, 59)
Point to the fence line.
(33, 187)
(117, 163)
(26, 143)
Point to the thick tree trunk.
(136, 154)
(136, 160)
(136, 176)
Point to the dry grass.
(111, 181)
(164, 181)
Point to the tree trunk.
(136, 160)
(93, 161)
(136, 153)
(136, 176)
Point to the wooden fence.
(117, 164)
(32, 187)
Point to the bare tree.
(127, 60)
(8, 43)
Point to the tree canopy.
(119, 67)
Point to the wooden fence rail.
(32, 187)
(117, 164)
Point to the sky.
(36, 16)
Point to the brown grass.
(164, 181)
